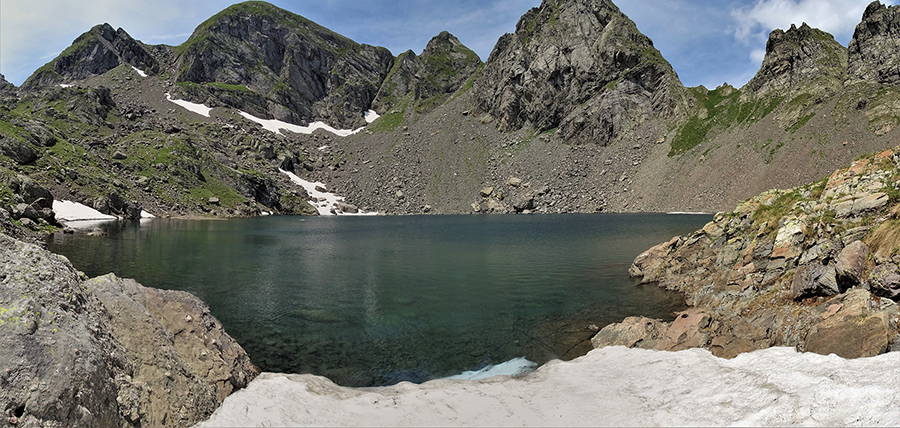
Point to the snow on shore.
(79, 216)
(610, 386)
(68, 211)
(324, 202)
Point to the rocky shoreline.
(815, 267)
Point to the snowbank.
(371, 116)
(276, 126)
(140, 72)
(609, 386)
(324, 202)
(194, 107)
(68, 211)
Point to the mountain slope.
(272, 63)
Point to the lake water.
(378, 300)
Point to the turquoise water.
(378, 300)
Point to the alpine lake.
(369, 301)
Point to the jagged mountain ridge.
(631, 140)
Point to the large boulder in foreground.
(106, 352)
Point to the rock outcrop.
(874, 51)
(801, 59)
(580, 66)
(93, 53)
(814, 267)
(106, 352)
(272, 63)
(430, 78)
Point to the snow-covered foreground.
(610, 386)
(325, 202)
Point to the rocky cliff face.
(814, 267)
(580, 66)
(106, 352)
(874, 51)
(801, 59)
(272, 63)
(430, 78)
(95, 52)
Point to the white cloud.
(757, 55)
(838, 17)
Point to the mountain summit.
(581, 66)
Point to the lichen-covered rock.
(106, 352)
(784, 270)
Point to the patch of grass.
(800, 123)
(885, 239)
(724, 109)
(773, 212)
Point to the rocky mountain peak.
(5, 85)
(874, 51)
(580, 66)
(800, 59)
(93, 53)
(429, 78)
(273, 63)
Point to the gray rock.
(580, 66)
(874, 51)
(814, 280)
(93, 53)
(523, 203)
(851, 264)
(19, 151)
(884, 281)
(795, 62)
(118, 155)
(347, 208)
(96, 353)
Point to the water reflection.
(377, 300)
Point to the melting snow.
(514, 367)
(140, 72)
(276, 126)
(194, 107)
(613, 386)
(63, 85)
(370, 116)
(324, 202)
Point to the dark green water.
(378, 300)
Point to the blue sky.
(708, 42)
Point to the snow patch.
(63, 85)
(513, 367)
(371, 116)
(194, 107)
(145, 214)
(613, 386)
(277, 125)
(139, 71)
(325, 202)
(322, 149)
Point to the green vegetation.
(393, 119)
(723, 110)
(773, 212)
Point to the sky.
(708, 42)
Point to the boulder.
(106, 352)
(632, 332)
(19, 151)
(851, 264)
(884, 281)
(814, 280)
(861, 327)
(347, 208)
(649, 265)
